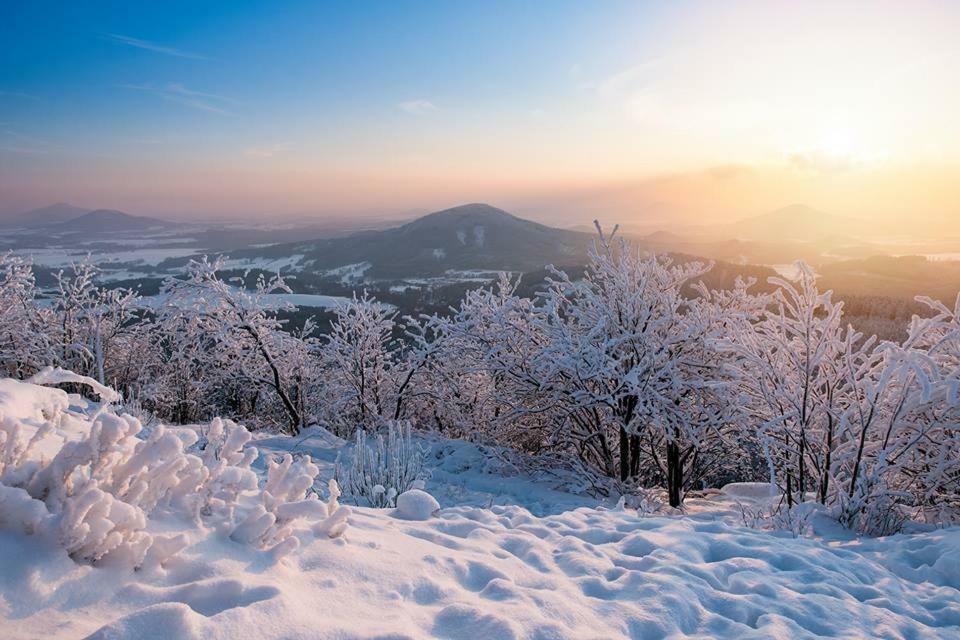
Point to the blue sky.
(107, 73)
(222, 107)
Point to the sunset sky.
(558, 110)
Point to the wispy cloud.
(417, 107)
(19, 94)
(267, 152)
(153, 46)
(15, 142)
(625, 82)
(176, 92)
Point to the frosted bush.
(97, 494)
(381, 470)
(795, 520)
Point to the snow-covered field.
(269, 301)
(143, 256)
(506, 556)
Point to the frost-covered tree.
(788, 362)
(370, 374)
(483, 381)
(629, 351)
(600, 365)
(94, 324)
(26, 340)
(911, 457)
(238, 338)
(865, 427)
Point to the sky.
(563, 110)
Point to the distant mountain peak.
(797, 209)
(475, 211)
(45, 216)
(108, 220)
(798, 222)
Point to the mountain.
(471, 236)
(44, 216)
(107, 221)
(797, 223)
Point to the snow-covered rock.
(416, 504)
(750, 490)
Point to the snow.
(56, 375)
(750, 490)
(146, 256)
(509, 555)
(275, 300)
(349, 273)
(292, 262)
(416, 504)
(308, 300)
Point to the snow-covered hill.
(472, 236)
(508, 556)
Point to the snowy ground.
(506, 557)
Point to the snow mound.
(416, 504)
(750, 490)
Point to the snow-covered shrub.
(646, 501)
(380, 470)
(796, 520)
(98, 493)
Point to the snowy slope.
(579, 570)
(502, 573)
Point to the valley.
(425, 265)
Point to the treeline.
(634, 366)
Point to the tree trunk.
(674, 473)
(624, 455)
(825, 473)
(634, 455)
(802, 472)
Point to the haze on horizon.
(639, 113)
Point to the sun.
(839, 144)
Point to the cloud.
(267, 152)
(19, 149)
(726, 172)
(417, 107)
(624, 83)
(19, 94)
(14, 142)
(818, 162)
(176, 92)
(156, 48)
